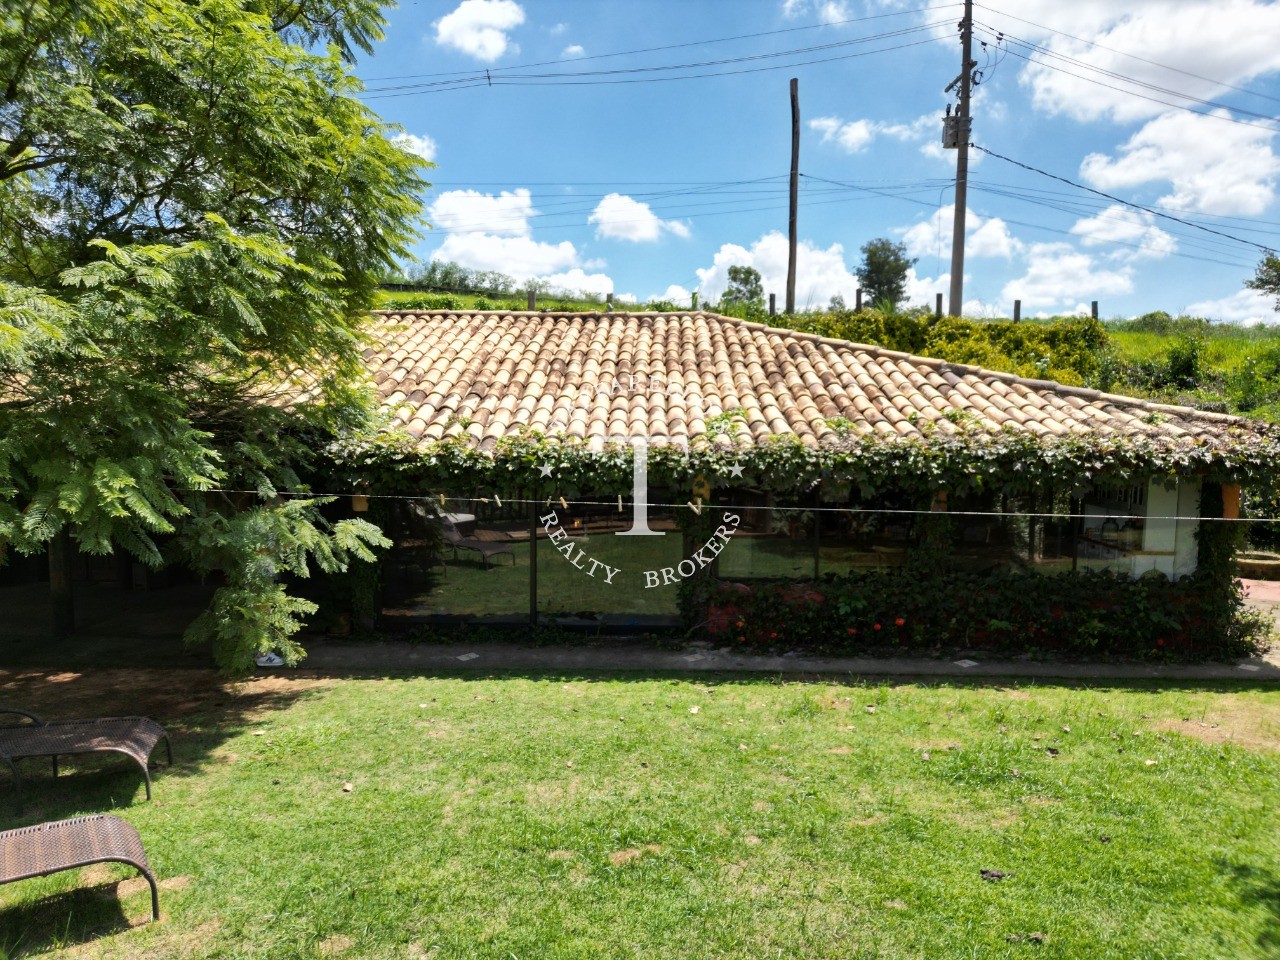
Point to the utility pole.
(795, 194)
(962, 125)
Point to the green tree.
(194, 213)
(1267, 278)
(883, 272)
(745, 288)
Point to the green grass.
(1226, 348)
(556, 817)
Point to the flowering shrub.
(1094, 613)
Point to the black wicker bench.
(135, 737)
(47, 848)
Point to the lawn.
(495, 816)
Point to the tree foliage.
(883, 271)
(745, 289)
(1267, 278)
(194, 206)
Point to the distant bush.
(1069, 350)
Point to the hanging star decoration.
(736, 470)
(545, 469)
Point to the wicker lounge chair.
(485, 548)
(135, 737)
(68, 844)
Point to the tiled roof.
(598, 376)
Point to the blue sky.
(655, 186)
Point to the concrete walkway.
(626, 655)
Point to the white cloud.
(1229, 40)
(675, 294)
(1058, 274)
(1131, 228)
(469, 211)
(925, 290)
(620, 217)
(1246, 306)
(479, 27)
(854, 136)
(828, 11)
(983, 237)
(1214, 167)
(423, 146)
(573, 51)
(578, 280)
(519, 257)
(820, 274)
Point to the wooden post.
(695, 301)
(773, 304)
(608, 303)
(533, 300)
(533, 564)
(858, 300)
(1231, 501)
(60, 589)
(817, 531)
(1094, 310)
(792, 226)
(937, 310)
(1017, 310)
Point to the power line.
(570, 79)
(504, 78)
(1132, 56)
(1268, 123)
(1127, 203)
(677, 46)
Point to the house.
(534, 429)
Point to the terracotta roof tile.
(595, 376)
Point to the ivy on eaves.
(1009, 461)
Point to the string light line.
(555, 499)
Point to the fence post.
(695, 301)
(937, 310)
(858, 300)
(608, 303)
(533, 300)
(1017, 310)
(773, 304)
(1094, 310)
(533, 564)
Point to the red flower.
(773, 636)
(899, 622)
(852, 631)
(1160, 643)
(876, 627)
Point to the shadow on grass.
(200, 709)
(1261, 886)
(69, 919)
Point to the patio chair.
(485, 548)
(135, 737)
(47, 848)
